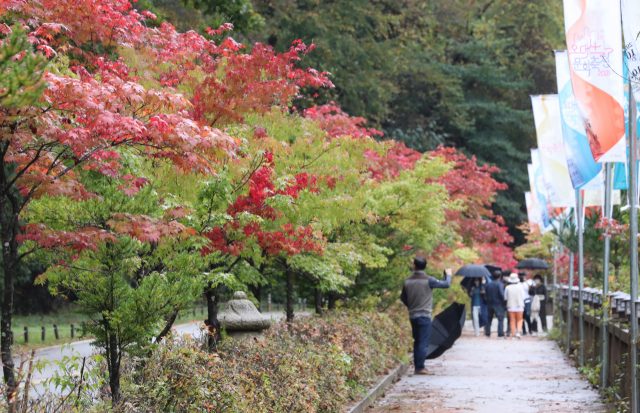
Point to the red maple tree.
(84, 121)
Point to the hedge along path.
(492, 376)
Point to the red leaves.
(79, 240)
(612, 228)
(475, 188)
(288, 239)
(134, 185)
(497, 254)
(224, 28)
(337, 123)
(250, 83)
(396, 160)
(147, 229)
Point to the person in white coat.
(514, 296)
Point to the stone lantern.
(241, 319)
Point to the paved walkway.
(493, 376)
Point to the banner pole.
(604, 329)
(580, 275)
(555, 277)
(569, 316)
(633, 246)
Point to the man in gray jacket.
(417, 295)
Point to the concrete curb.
(381, 387)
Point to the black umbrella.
(492, 268)
(473, 271)
(446, 328)
(533, 264)
(470, 272)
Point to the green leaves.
(21, 70)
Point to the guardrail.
(619, 310)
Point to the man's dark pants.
(527, 317)
(498, 311)
(421, 327)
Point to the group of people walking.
(522, 298)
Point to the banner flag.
(539, 190)
(595, 198)
(583, 169)
(620, 180)
(531, 216)
(535, 203)
(631, 28)
(620, 176)
(594, 42)
(546, 114)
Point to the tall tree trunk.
(318, 301)
(256, 290)
(9, 227)
(114, 368)
(289, 273)
(5, 328)
(332, 301)
(212, 318)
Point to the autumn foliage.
(171, 165)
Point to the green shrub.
(313, 365)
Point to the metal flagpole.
(605, 282)
(555, 277)
(580, 276)
(570, 303)
(558, 300)
(633, 246)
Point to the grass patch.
(64, 317)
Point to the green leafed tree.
(134, 283)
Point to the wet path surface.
(492, 376)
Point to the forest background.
(425, 73)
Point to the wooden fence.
(618, 344)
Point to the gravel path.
(492, 376)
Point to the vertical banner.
(596, 198)
(531, 213)
(546, 114)
(594, 44)
(536, 210)
(620, 180)
(631, 29)
(539, 190)
(583, 169)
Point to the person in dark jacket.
(494, 297)
(477, 294)
(540, 290)
(526, 285)
(417, 295)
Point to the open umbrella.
(473, 271)
(492, 268)
(446, 328)
(533, 264)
